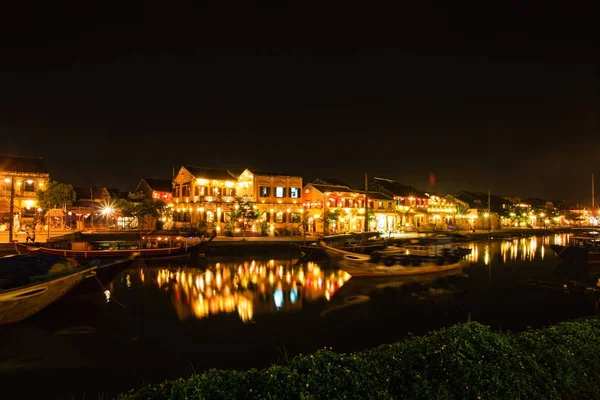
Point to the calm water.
(167, 320)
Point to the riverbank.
(464, 361)
(224, 245)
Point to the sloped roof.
(266, 173)
(379, 196)
(160, 185)
(395, 188)
(331, 181)
(22, 164)
(210, 173)
(480, 200)
(333, 188)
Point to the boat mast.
(366, 204)
(489, 213)
(11, 215)
(593, 199)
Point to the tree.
(57, 195)
(244, 214)
(147, 209)
(462, 211)
(330, 217)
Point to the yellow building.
(206, 198)
(278, 197)
(23, 176)
(201, 196)
(333, 208)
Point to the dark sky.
(486, 95)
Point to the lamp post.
(69, 214)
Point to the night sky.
(486, 95)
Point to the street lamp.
(107, 212)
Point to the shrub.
(468, 361)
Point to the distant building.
(27, 176)
(153, 188)
(410, 203)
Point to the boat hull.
(164, 253)
(366, 269)
(22, 302)
(576, 253)
(361, 265)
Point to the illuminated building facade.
(337, 207)
(410, 204)
(25, 176)
(278, 197)
(205, 197)
(202, 196)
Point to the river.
(161, 321)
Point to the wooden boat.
(582, 247)
(183, 249)
(20, 302)
(362, 242)
(394, 262)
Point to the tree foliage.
(243, 214)
(57, 195)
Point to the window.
(380, 205)
(295, 217)
(279, 217)
(210, 216)
(263, 191)
(294, 193)
(28, 186)
(279, 191)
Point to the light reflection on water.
(514, 249)
(245, 288)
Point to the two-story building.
(201, 196)
(333, 207)
(277, 196)
(410, 204)
(20, 179)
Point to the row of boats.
(366, 255)
(38, 276)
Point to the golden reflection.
(246, 288)
(513, 250)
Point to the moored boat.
(400, 262)
(583, 247)
(20, 300)
(183, 249)
(362, 242)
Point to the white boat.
(400, 262)
(21, 302)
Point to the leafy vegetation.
(468, 361)
(56, 195)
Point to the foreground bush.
(467, 361)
